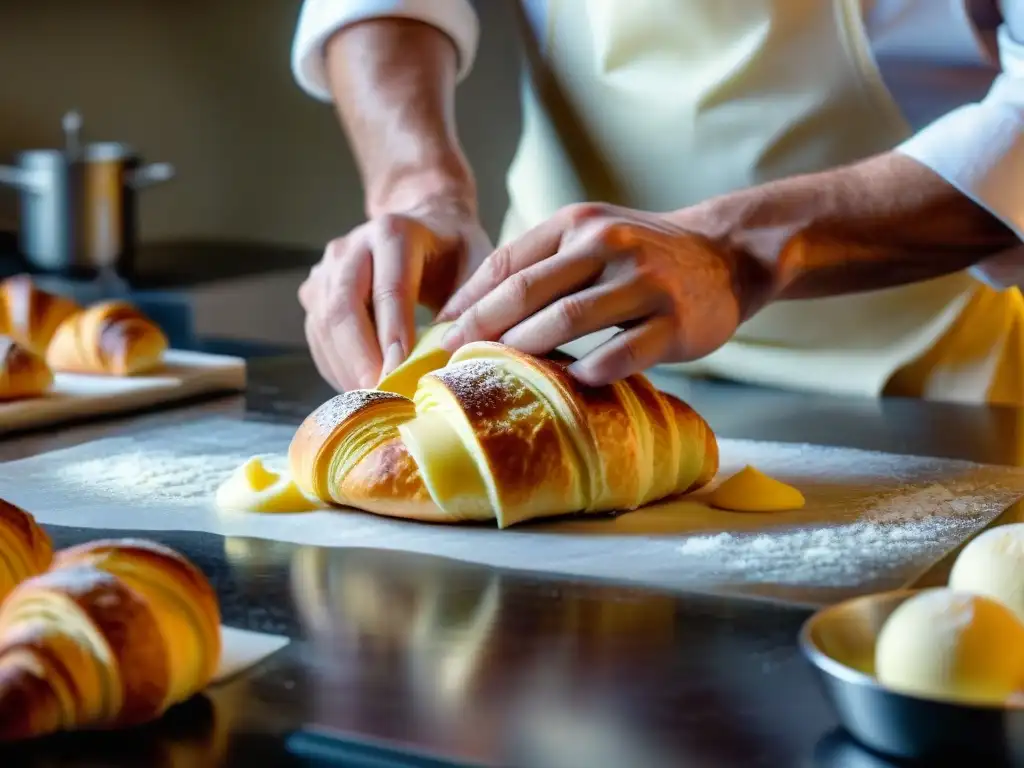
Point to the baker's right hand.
(360, 298)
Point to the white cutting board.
(873, 521)
(185, 374)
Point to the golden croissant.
(111, 337)
(114, 634)
(496, 434)
(23, 374)
(25, 549)
(30, 316)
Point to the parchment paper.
(873, 521)
(243, 649)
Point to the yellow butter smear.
(253, 487)
(750, 490)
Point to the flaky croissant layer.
(25, 548)
(23, 374)
(108, 338)
(496, 434)
(114, 634)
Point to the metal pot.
(78, 208)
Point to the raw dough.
(750, 490)
(955, 646)
(255, 488)
(993, 565)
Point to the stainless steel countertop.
(491, 667)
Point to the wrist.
(449, 182)
(758, 254)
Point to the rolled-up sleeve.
(320, 19)
(979, 148)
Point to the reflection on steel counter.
(191, 735)
(468, 651)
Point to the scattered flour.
(898, 534)
(148, 476)
(177, 466)
(872, 519)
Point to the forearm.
(883, 222)
(393, 83)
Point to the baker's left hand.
(676, 294)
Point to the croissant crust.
(500, 435)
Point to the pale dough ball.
(255, 488)
(993, 565)
(955, 646)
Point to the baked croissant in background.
(111, 337)
(25, 548)
(114, 634)
(23, 374)
(496, 434)
(31, 316)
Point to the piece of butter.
(253, 487)
(750, 490)
(427, 356)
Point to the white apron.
(660, 104)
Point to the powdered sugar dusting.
(341, 407)
(75, 579)
(480, 385)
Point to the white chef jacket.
(954, 67)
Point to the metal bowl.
(840, 642)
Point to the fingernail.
(393, 358)
(578, 372)
(452, 339)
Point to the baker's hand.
(677, 295)
(360, 299)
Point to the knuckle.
(391, 225)
(517, 288)
(333, 250)
(571, 311)
(469, 320)
(304, 295)
(385, 294)
(582, 213)
(613, 234)
(498, 266)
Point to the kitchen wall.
(206, 85)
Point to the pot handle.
(149, 175)
(27, 181)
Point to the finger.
(593, 309)
(316, 349)
(397, 272)
(527, 292)
(353, 350)
(536, 245)
(311, 289)
(346, 327)
(631, 351)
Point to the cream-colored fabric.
(659, 104)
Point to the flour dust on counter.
(186, 467)
(871, 521)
